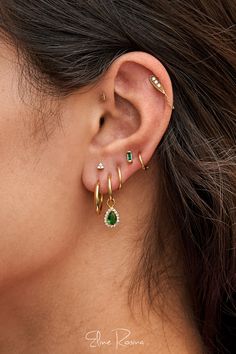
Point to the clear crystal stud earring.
(100, 166)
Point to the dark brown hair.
(70, 44)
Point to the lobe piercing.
(100, 166)
(98, 198)
(120, 176)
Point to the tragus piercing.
(103, 97)
(156, 83)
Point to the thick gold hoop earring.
(98, 198)
(111, 217)
(145, 168)
(120, 177)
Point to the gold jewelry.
(156, 83)
(129, 156)
(120, 176)
(111, 217)
(110, 193)
(142, 163)
(98, 198)
(103, 97)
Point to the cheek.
(38, 216)
(39, 199)
(40, 191)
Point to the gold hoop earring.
(111, 217)
(98, 198)
(145, 168)
(120, 177)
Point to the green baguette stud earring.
(129, 156)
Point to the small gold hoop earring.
(110, 193)
(98, 198)
(120, 177)
(145, 168)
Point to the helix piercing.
(156, 83)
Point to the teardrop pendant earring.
(111, 217)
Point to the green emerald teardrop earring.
(111, 217)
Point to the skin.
(63, 273)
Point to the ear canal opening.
(102, 121)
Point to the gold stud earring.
(98, 198)
(111, 217)
(142, 163)
(103, 97)
(156, 83)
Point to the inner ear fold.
(131, 93)
(121, 123)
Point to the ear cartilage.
(156, 83)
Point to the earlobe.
(137, 101)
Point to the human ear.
(135, 117)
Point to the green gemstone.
(112, 218)
(129, 156)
